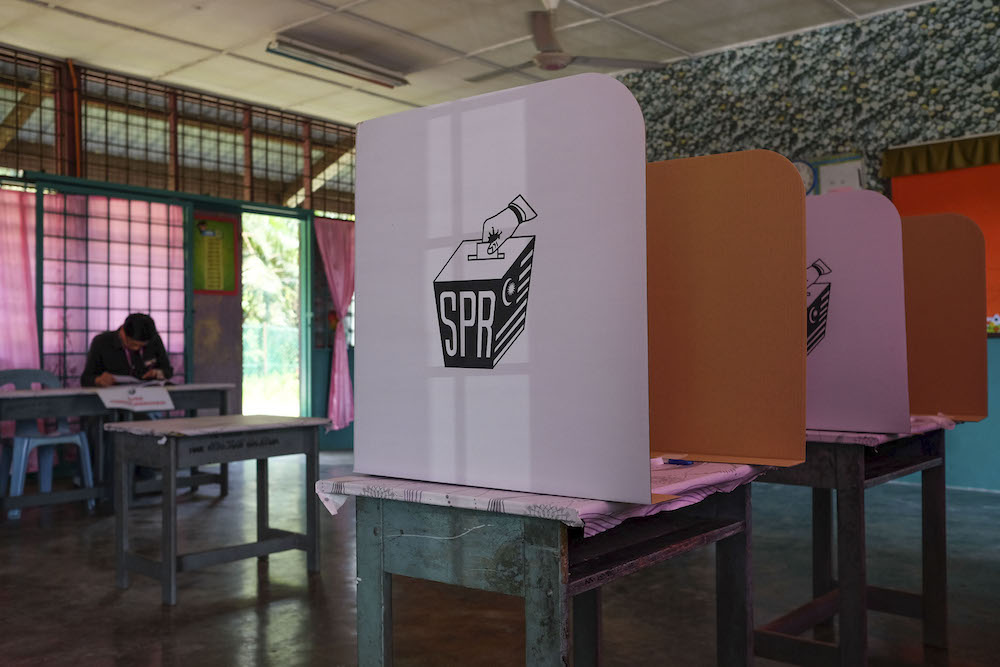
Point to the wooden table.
(526, 548)
(84, 402)
(851, 464)
(170, 444)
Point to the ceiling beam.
(154, 174)
(330, 156)
(26, 105)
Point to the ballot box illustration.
(481, 294)
(818, 304)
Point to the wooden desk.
(170, 444)
(851, 468)
(523, 546)
(84, 402)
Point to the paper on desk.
(141, 398)
(128, 379)
(918, 424)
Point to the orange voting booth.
(944, 266)
(726, 290)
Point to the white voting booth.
(501, 271)
(856, 317)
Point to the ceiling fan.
(551, 56)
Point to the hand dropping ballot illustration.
(818, 300)
(481, 294)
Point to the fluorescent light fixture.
(336, 62)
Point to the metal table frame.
(850, 469)
(547, 563)
(84, 402)
(180, 451)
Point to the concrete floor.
(59, 605)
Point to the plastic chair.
(28, 437)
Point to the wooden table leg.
(95, 431)
(168, 548)
(374, 597)
(822, 554)
(587, 628)
(122, 495)
(733, 591)
(223, 467)
(263, 507)
(851, 554)
(935, 552)
(546, 595)
(312, 503)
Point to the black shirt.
(107, 354)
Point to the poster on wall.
(856, 367)
(831, 174)
(214, 255)
(501, 261)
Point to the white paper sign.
(501, 286)
(136, 398)
(856, 374)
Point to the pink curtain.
(19, 333)
(336, 245)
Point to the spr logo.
(481, 294)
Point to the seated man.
(133, 349)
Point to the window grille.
(29, 124)
(104, 258)
(120, 129)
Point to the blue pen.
(680, 462)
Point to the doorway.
(272, 315)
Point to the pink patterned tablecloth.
(918, 424)
(688, 483)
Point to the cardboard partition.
(856, 317)
(501, 277)
(726, 252)
(944, 260)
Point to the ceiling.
(219, 46)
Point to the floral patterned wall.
(920, 74)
